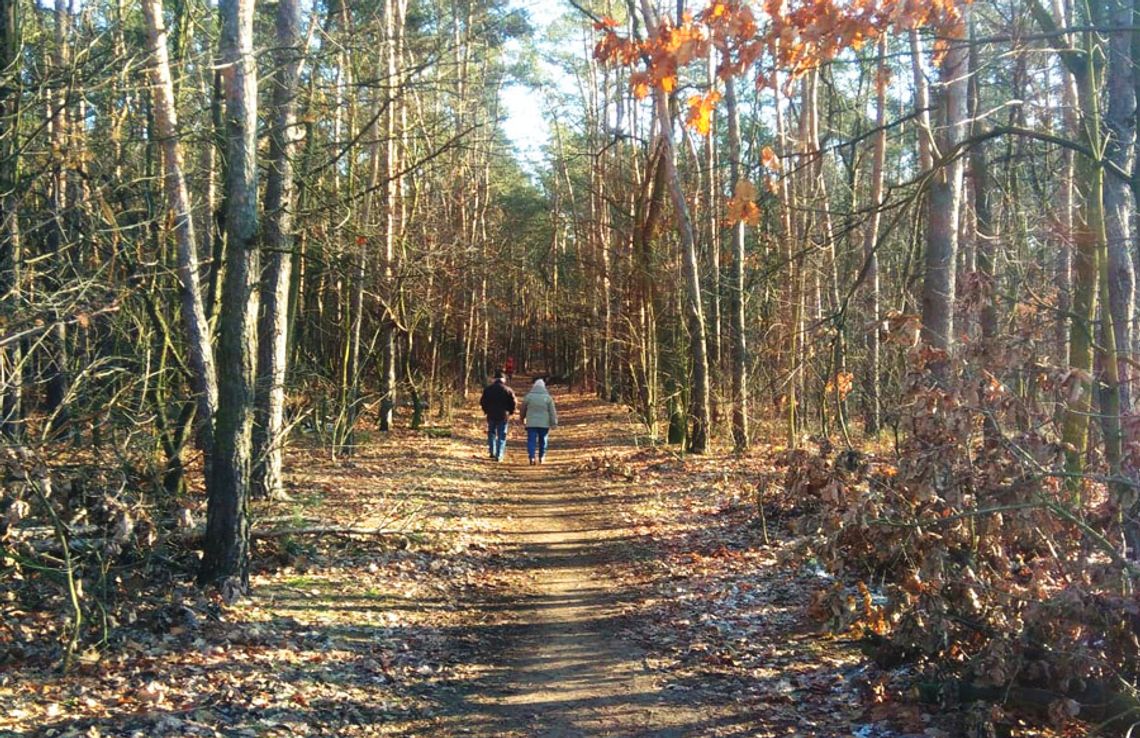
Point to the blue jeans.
(497, 438)
(536, 439)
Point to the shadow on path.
(562, 667)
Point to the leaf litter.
(360, 636)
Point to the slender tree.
(280, 201)
(226, 555)
(873, 412)
(736, 283)
(699, 412)
(945, 202)
(11, 257)
(201, 352)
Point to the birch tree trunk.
(273, 329)
(226, 545)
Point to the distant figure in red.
(509, 368)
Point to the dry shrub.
(967, 552)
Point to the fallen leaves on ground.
(356, 636)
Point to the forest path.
(562, 667)
(614, 591)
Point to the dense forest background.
(892, 245)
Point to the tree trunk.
(1119, 205)
(273, 330)
(921, 105)
(201, 352)
(57, 389)
(712, 246)
(985, 236)
(736, 284)
(1064, 265)
(794, 289)
(226, 554)
(873, 412)
(945, 200)
(1088, 236)
(11, 258)
(699, 416)
(393, 21)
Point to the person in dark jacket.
(498, 403)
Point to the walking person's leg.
(502, 450)
(542, 438)
(491, 430)
(531, 440)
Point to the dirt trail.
(576, 598)
(563, 667)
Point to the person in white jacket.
(537, 411)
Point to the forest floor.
(618, 590)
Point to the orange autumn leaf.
(639, 83)
(742, 207)
(751, 214)
(769, 159)
(799, 35)
(700, 111)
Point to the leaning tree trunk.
(226, 546)
(694, 313)
(273, 330)
(201, 352)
